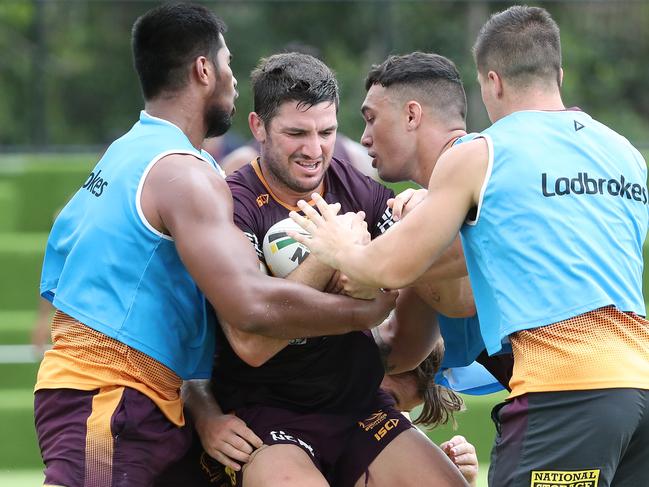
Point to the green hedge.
(7, 206)
(41, 186)
(19, 447)
(15, 327)
(21, 258)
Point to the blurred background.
(67, 89)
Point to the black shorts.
(342, 447)
(591, 438)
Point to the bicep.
(409, 334)
(197, 211)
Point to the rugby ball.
(281, 252)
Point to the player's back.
(561, 224)
(555, 252)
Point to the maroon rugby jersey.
(335, 374)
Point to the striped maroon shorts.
(109, 437)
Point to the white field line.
(20, 354)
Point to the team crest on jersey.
(559, 478)
(262, 200)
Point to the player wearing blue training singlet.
(129, 271)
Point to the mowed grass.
(22, 478)
(33, 478)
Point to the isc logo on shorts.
(558, 478)
(389, 424)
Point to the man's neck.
(428, 156)
(182, 114)
(533, 99)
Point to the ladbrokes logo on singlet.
(585, 184)
(95, 184)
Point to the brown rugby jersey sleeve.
(244, 215)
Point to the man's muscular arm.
(407, 337)
(185, 198)
(255, 349)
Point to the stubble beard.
(281, 174)
(217, 120)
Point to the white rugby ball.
(282, 253)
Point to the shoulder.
(182, 189)
(186, 171)
(183, 181)
(468, 154)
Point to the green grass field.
(33, 478)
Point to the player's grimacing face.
(219, 112)
(384, 135)
(299, 145)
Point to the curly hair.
(439, 402)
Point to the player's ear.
(495, 84)
(257, 127)
(201, 70)
(414, 113)
(560, 77)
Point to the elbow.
(244, 346)
(464, 310)
(405, 365)
(394, 279)
(251, 359)
(247, 310)
(469, 310)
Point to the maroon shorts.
(113, 436)
(342, 447)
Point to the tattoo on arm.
(384, 350)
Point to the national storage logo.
(558, 478)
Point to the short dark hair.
(167, 39)
(291, 76)
(439, 402)
(522, 44)
(434, 79)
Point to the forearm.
(449, 265)
(290, 310)
(409, 335)
(199, 400)
(312, 273)
(280, 308)
(450, 297)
